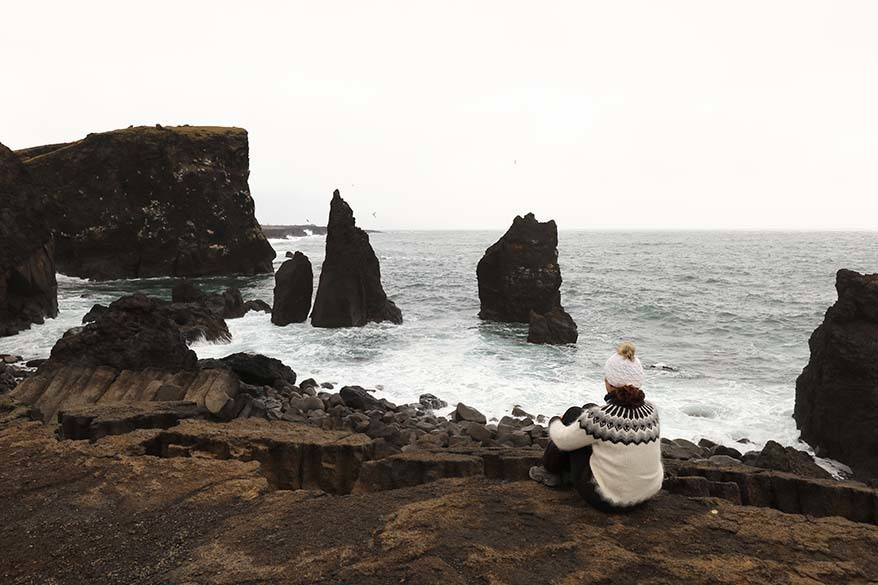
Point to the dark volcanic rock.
(28, 291)
(837, 392)
(186, 291)
(776, 456)
(259, 369)
(520, 272)
(358, 398)
(132, 334)
(194, 321)
(293, 287)
(257, 305)
(350, 293)
(555, 327)
(152, 201)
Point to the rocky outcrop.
(228, 304)
(293, 288)
(555, 327)
(520, 281)
(162, 201)
(28, 291)
(520, 272)
(837, 392)
(95, 421)
(349, 293)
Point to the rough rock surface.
(293, 288)
(520, 272)
(28, 291)
(95, 421)
(555, 327)
(209, 510)
(349, 293)
(837, 392)
(134, 333)
(152, 201)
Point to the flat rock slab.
(72, 386)
(414, 468)
(776, 489)
(292, 456)
(95, 421)
(74, 515)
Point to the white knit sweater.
(626, 461)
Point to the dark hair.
(628, 396)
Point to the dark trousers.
(575, 465)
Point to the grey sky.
(461, 114)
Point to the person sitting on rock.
(611, 453)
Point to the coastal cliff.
(152, 201)
(28, 290)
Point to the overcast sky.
(649, 114)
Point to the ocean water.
(731, 313)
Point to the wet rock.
(28, 289)
(520, 272)
(723, 460)
(35, 363)
(293, 287)
(468, 413)
(780, 458)
(92, 315)
(728, 451)
(681, 449)
(431, 402)
(145, 201)
(327, 385)
(260, 370)
(555, 327)
(349, 293)
(308, 383)
(186, 291)
(836, 401)
(257, 305)
(133, 334)
(358, 398)
(517, 411)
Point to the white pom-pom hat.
(624, 368)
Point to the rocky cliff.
(349, 293)
(837, 392)
(28, 291)
(520, 281)
(152, 201)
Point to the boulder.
(349, 293)
(520, 272)
(431, 402)
(293, 287)
(194, 321)
(555, 327)
(259, 370)
(28, 290)
(134, 333)
(468, 413)
(780, 458)
(152, 201)
(358, 398)
(837, 393)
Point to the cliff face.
(520, 272)
(28, 291)
(152, 201)
(349, 293)
(837, 392)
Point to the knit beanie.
(623, 369)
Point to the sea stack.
(520, 281)
(349, 293)
(28, 290)
(152, 201)
(837, 392)
(293, 287)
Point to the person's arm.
(569, 437)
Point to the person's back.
(612, 451)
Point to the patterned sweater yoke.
(619, 424)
